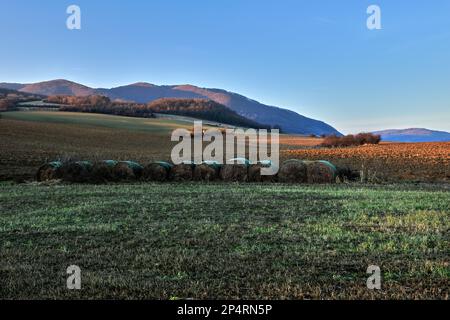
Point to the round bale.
(207, 171)
(127, 170)
(49, 171)
(254, 172)
(157, 171)
(320, 172)
(102, 171)
(182, 172)
(292, 171)
(76, 171)
(236, 170)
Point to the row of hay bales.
(86, 171)
(300, 171)
(291, 171)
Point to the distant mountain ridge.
(414, 135)
(141, 92)
(53, 87)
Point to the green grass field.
(160, 126)
(169, 241)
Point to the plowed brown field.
(428, 162)
(29, 139)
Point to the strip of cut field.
(223, 241)
(98, 120)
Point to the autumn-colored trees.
(9, 99)
(6, 104)
(100, 104)
(92, 101)
(202, 109)
(196, 108)
(351, 140)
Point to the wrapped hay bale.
(49, 171)
(182, 172)
(102, 171)
(292, 171)
(254, 172)
(157, 171)
(127, 170)
(320, 172)
(76, 171)
(237, 172)
(207, 171)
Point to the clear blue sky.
(314, 57)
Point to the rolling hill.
(414, 135)
(18, 94)
(53, 87)
(141, 92)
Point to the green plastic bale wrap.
(320, 172)
(240, 161)
(110, 163)
(50, 171)
(292, 171)
(76, 171)
(127, 170)
(102, 171)
(207, 171)
(214, 164)
(157, 171)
